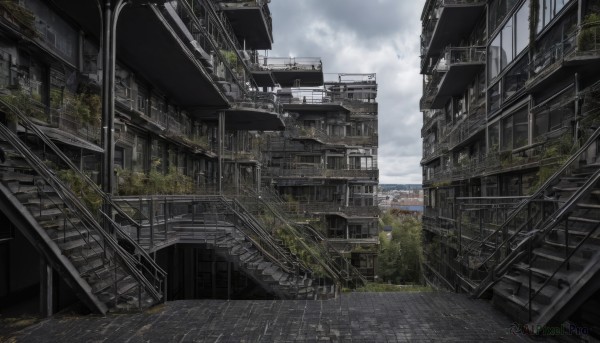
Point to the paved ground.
(353, 317)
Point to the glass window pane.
(522, 28)
(494, 136)
(541, 6)
(494, 58)
(507, 133)
(541, 124)
(507, 47)
(494, 97)
(521, 128)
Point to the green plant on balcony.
(589, 36)
(79, 187)
(21, 16)
(26, 104)
(156, 182)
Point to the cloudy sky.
(358, 36)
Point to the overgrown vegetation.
(296, 245)
(155, 182)
(553, 157)
(21, 16)
(384, 287)
(401, 255)
(79, 187)
(589, 36)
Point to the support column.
(221, 138)
(46, 289)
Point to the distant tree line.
(400, 258)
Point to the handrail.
(555, 220)
(320, 243)
(548, 182)
(75, 205)
(524, 205)
(70, 199)
(40, 134)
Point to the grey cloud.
(384, 36)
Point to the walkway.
(353, 317)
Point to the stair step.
(7, 176)
(92, 265)
(46, 214)
(589, 206)
(78, 243)
(584, 220)
(523, 267)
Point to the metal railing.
(151, 277)
(288, 63)
(144, 268)
(162, 213)
(561, 217)
(546, 61)
(460, 55)
(531, 215)
(315, 243)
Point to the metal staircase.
(87, 252)
(229, 227)
(541, 261)
(322, 252)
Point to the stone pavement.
(353, 317)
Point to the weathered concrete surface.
(353, 317)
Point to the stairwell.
(541, 264)
(556, 274)
(85, 246)
(77, 252)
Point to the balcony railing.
(468, 127)
(588, 39)
(461, 55)
(260, 100)
(431, 87)
(288, 63)
(547, 61)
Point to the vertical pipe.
(220, 139)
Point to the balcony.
(290, 71)
(305, 100)
(466, 130)
(459, 65)
(432, 151)
(256, 111)
(251, 22)
(430, 119)
(448, 22)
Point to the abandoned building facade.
(148, 158)
(510, 154)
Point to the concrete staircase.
(561, 267)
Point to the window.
(552, 116)
(494, 97)
(507, 44)
(515, 130)
(512, 39)
(494, 58)
(522, 28)
(494, 137)
(548, 9)
(515, 79)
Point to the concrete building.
(510, 162)
(326, 162)
(132, 164)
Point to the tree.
(400, 257)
